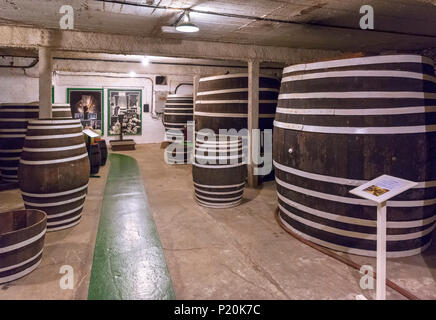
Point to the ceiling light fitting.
(187, 25)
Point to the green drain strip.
(128, 258)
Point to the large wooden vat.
(222, 102)
(13, 124)
(54, 171)
(341, 123)
(22, 236)
(178, 111)
(61, 110)
(219, 171)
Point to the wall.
(21, 85)
(17, 85)
(152, 129)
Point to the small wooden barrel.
(344, 122)
(178, 111)
(22, 236)
(103, 151)
(61, 110)
(54, 170)
(222, 102)
(94, 158)
(13, 124)
(219, 171)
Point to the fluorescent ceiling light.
(132, 74)
(187, 25)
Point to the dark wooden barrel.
(219, 171)
(54, 170)
(222, 102)
(178, 111)
(103, 151)
(342, 123)
(22, 236)
(94, 158)
(13, 124)
(61, 110)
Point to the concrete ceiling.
(401, 25)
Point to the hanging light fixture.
(187, 25)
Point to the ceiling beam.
(126, 67)
(67, 40)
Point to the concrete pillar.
(45, 82)
(253, 119)
(196, 83)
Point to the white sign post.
(380, 190)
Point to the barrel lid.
(393, 58)
(236, 75)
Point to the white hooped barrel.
(54, 171)
(219, 171)
(61, 110)
(179, 109)
(222, 102)
(344, 122)
(13, 125)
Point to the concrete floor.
(238, 253)
(241, 253)
(74, 247)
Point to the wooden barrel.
(54, 170)
(22, 236)
(222, 102)
(178, 153)
(103, 151)
(94, 158)
(342, 123)
(61, 110)
(219, 171)
(178, 111)
(13, 124)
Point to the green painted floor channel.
(128, 259)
